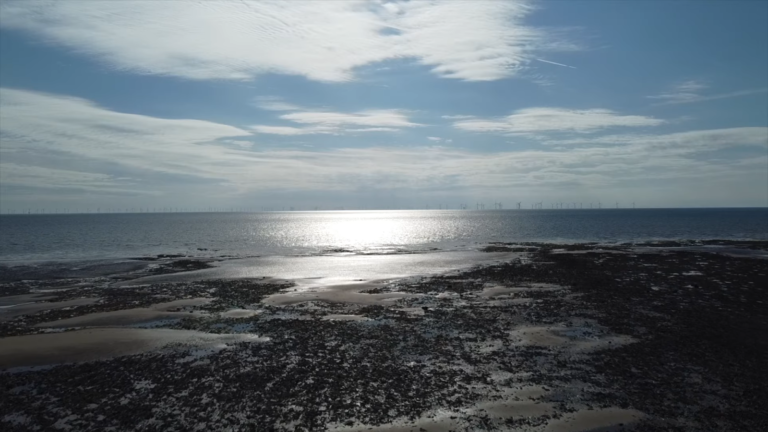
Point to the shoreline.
(569, 337)
(205, 254)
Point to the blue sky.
(379, 104)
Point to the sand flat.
(124, 317)
(33, 308)
(345, 317)
(23, 298)
(97, 344)
(574, 339)
(117, 318)
(336, 293)
(603, 420)
(181, 303)
(240, 313)
(498, 290)
(436, 424)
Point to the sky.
(380, 104)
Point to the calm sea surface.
(100, 236)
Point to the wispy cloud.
(691, 92)
(39, 126)
(289, 130)
(53, 178)
(555, 63)
(686, 142)
(274, 103)
(532, 120)
(41, 133)
(456, 117)
(328, 122)
(324, 41)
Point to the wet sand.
(22, 299)
(126, 317)
(334, 268)
(349, 293)
(561, 338)
(98, 344)
(16, 310)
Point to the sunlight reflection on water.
(99, 236)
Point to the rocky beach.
(664, 336)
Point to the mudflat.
(558, 338)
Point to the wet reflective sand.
(337, 269)
(7, 313)
(97, 344)
(160, 311)
(342, 293)
(605, 420)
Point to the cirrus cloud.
(690, 92)
(56, 142)
(323, 41)
(532, 120)
(329, 122)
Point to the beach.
(657, 336)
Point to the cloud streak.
(274, 103)
(43, 133)
(532, 120)
(555, 63)
(690, 92)
(336, 123)
(323, 41)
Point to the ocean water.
(107, 236)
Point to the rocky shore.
(654, 337)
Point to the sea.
(42, 237)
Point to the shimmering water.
(97, 236)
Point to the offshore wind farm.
(254, 209)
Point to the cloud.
(323, 41)
(691, 86)
(680, 142)
(555, 63)
(52, 178)
(690, 92)
(287, 130)
(274, 103)
(436, 139)
(329, 122)
(457, 117)
(380, 118)
(81, 132)
(373, 129)
(532, 120)
(56, 142)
